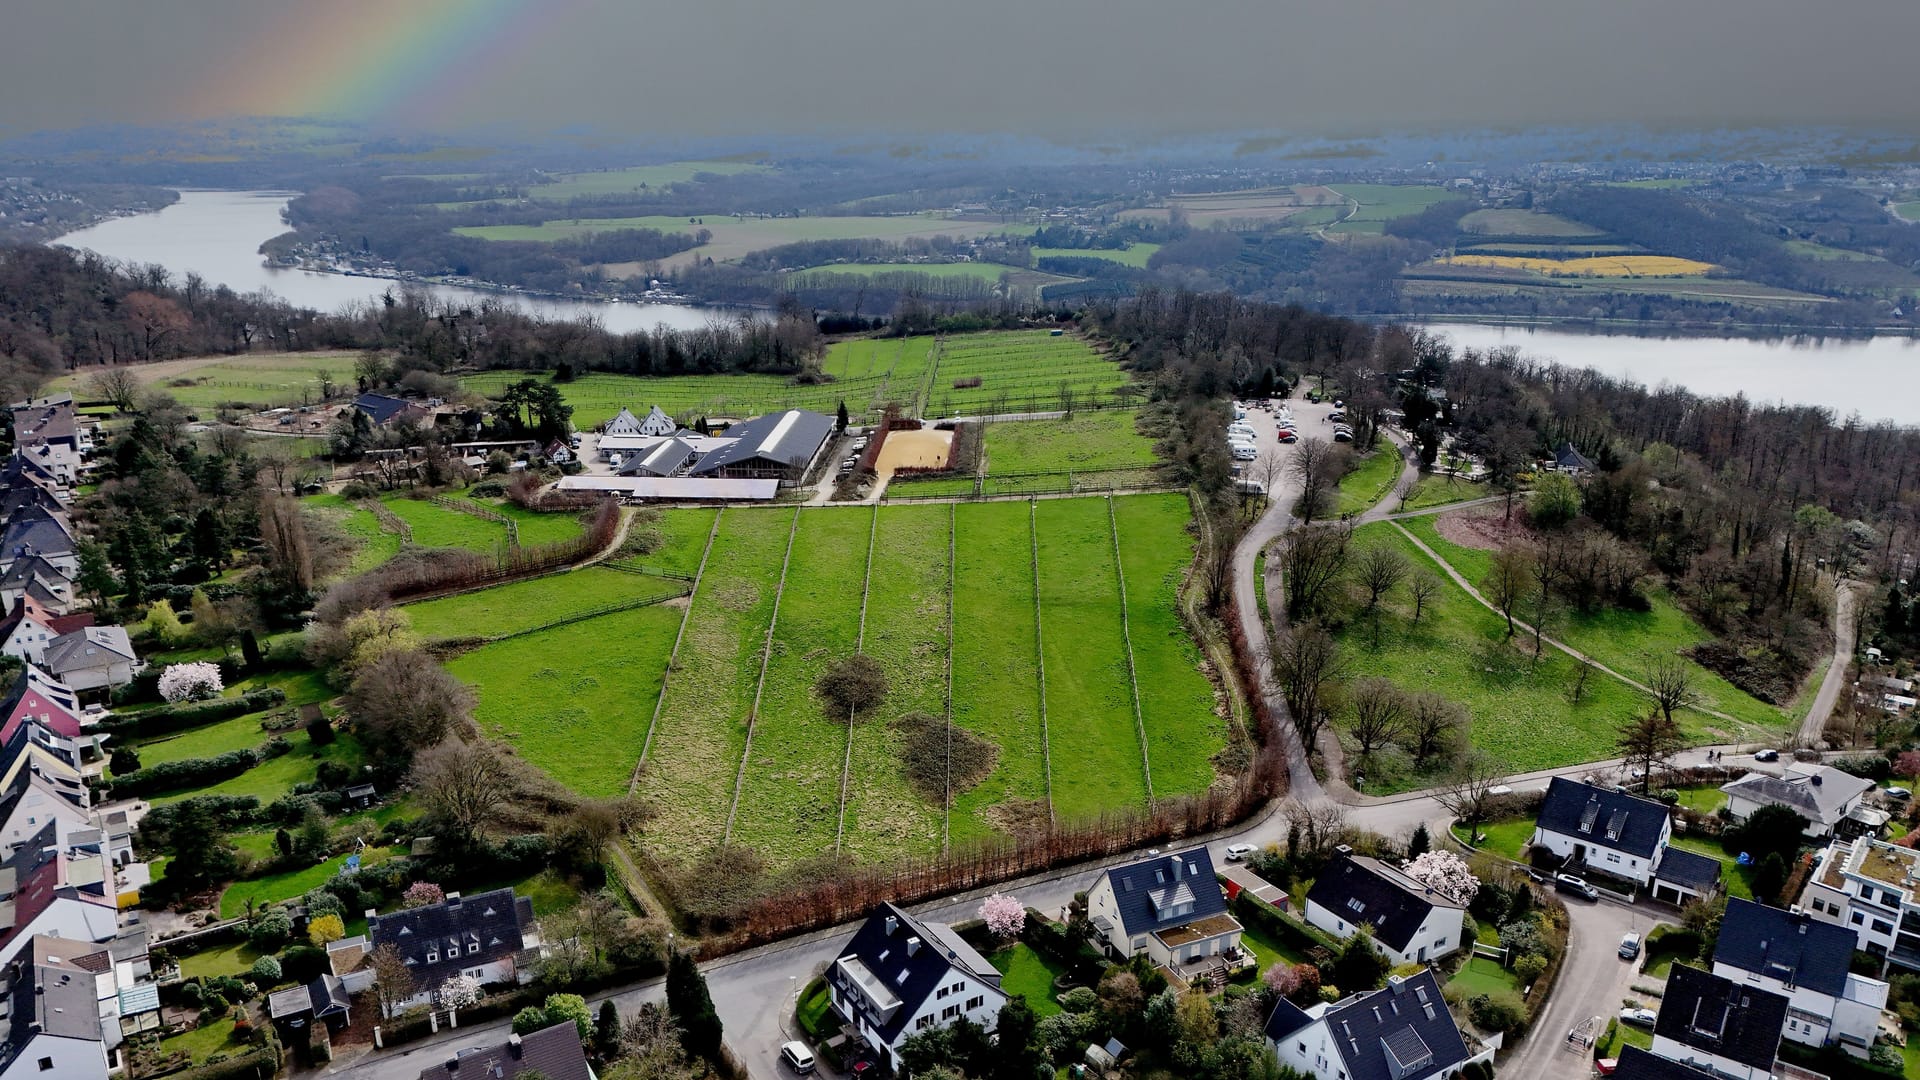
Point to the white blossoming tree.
(1445, 873)
(1005, 916)
(198, 681)
(459, 991)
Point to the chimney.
(1343, 849)
(913, 945)
(453, 1065)
(1179, 866)
(513, 1046)
(893, 924)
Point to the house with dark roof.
(28, 629)
(54, 1026)
(1684, 876)
(1724, 1027)
(1829, 800)
(42, 532)
(1169, 907)
(1408, 920)
(47, 433)
(1591, 827)
(21, 470)
(1637, 1064)
(322, 1001)
(899, 975)
(491, 936)
(552, 1053)
(93, 658)
(665, 458)
(1566, 459)
(33, 577)
(383, 410)
(1806, 961)
(778, 446)
(1401, 1031)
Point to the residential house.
(1726, 1028)
(1402, 1031)
(30, 801)
(93, 658)
(1830, 800)
(34, 751)
(1566, 459)
(1596, 828)
(42, 532)
(1684, 876)
(899, 975)
(1868, 887)
(29, 628)
(552, 1053)
(322, 1001)
(28, 492)
(33, 577)
(559, 452)
(54, 1026)
(1806, 961)
(1637, 1064)
(45, 432)
(383, 410)
(1408, 920)
(35, 695)
(46, 891)
(1169, 907)
(656, 423)
(780, 446)
(18, 471)
(625, 423)
(491, 937)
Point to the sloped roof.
(52, 996)
(88, 647)
(1638, 1064)
(1286, 1019)
(788, 439)
(1603, 817)
(1720, 1017)
(1690, 869)
(1402, 1029)
(664, 459)
(381, 408)
(1165, 891)
(36, 530)
(1793, 947)
(553, 1052)
(495, 922)
(1566, 457)
(1819, 793)
(898, 959)
(1367, 892)
(623, 423)
(657, 423)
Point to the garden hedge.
(171, 718)
(194, 772)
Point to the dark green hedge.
(194, 772)
(171, 718)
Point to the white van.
(797, 1057)
(1243, 452)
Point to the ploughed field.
(1022, 687)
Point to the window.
(975, 1002)
(1881, 926)
(433, 958)
(1613, 857)
(472, 947)
(940, 993)
(921, 1023)
(46, 1064)
(949, 1012)
(1858, 918)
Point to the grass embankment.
(373, 545)
(1431, 491)
(272, 779)
(1370, 481)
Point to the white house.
(1402, 1031)
(899, 975)
(46, 891)
(1726, 1028)
(93, 658)
(490, 936)
(1169, 907)
(1804, 960)
(1867, 886)
(1408, 920)
(1597, 828)
(1827, 798)
(55, 1026)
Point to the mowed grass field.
(1370, 481)
(1019, 371)
(812, 783)
(1134, 255)
(731, 237)
(1089, 440)
(1381, 203)
(249, 383)
(520, 606)
(1509, 222)
(1624, 266)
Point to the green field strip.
(1095, 758)
(537, 527)
(1184, 729)
(523, 605)
(695, 754)
(685, 539)
(996, 675)
(375, 545)
(673, 658)
(859, 643)
(907, 635)
(1126, 639)
(760, 680)
(438, 527)
(946, 810)
(577, 723)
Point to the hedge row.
(195, 772)
(171, 718)
(1290, 931)
(260, 1063)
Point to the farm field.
(789, 803)
(597, 397)
(987, 273)
(373, 544)
(1134, 255)
(731, 237)
(520, 606)
(1504, 222)
(249, 383)
(436, 526)
(1018, 371)
(1812, 250)
(1089, 440)
(1595, 266)
(1381, 203)
(1256, 207)
(627, 181)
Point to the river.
(218, 234)
(1847, 375)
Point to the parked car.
(1337, 415)
(1572, 884)
(1343, 436)
(1238, 852)
(1246, 486)
(797, 1057)
(1766, 755)
(1288, 436)
(864, 1066)
(1899, 793)
(1639, 1017)
(1630, 947)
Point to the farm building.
(383, 410)
(666, 458)
(675, 488)
(778, 446)
(656, 424)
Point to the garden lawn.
(689, 774)
(1089, 440)
(239, 733)
(1660, 956)
(1028, 974)
(1090, 719)
(1520, 709)
(520, 606)
(1268, 950)
(272, 779)
(1177, 703)
(576, 699)
(789, 805)
(230, 959)
(438, 527)
(907, 634)
(214, 1037)
(1505, 837)
(1625, 1035)
(812, 1008)
(1703, 798)
(1370, 481)
(302, 685)
(550, 893)
(291, 883)
(996, 679)
(373, 545)
(1431, 491)
(1480, 975)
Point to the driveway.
(1592, 983)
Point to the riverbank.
(1643, 328)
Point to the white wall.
(1617, 863)
(72, 1059)
(1440, 933)
(1674, 1050)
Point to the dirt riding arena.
(1485, 527)
(913, 450)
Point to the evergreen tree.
(1420, 843)
(1013, 1030)
(840, 418)
(691, 1007)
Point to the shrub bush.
(171, 718)
(186, 773)
(265, 971)
(1501, 1014)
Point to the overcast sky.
(1052, 67)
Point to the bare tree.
(289, 556)
(1379, 711)
(404, 701)
(1507, 581)
(1582, 674)
(1435, 724)
(1649, 742)
(1317, 466)
(392, 978)
(1306, 661)
(1669, 683)
(1379, 569)
(1216, 559)
(118, 386)
(276, 461)
(1468, 789)
(464, 785)
(1312, 558)
(1422, 587)
(1320, 824)
(1267, 469)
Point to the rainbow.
(371, 60)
